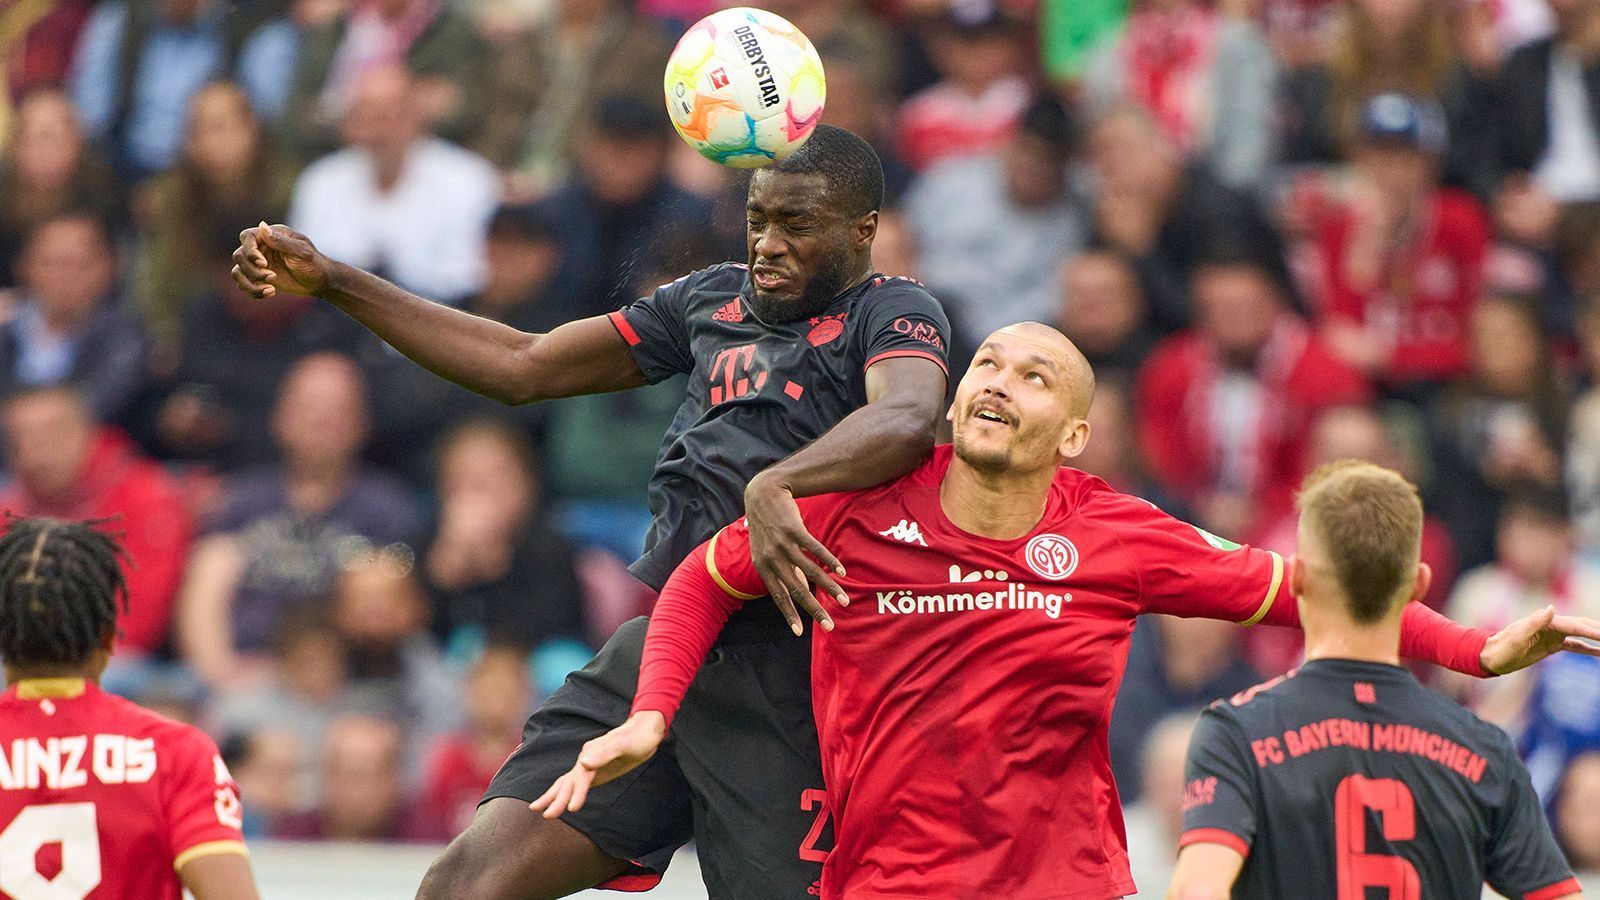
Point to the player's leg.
(625, 835)
(512, 853)
(747, 743)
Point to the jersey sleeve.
(1524, 861)
(1183, 570)
(200, 800)
(905, 320)
(1219, 796)
(656, 330)
(728, 552)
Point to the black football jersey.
(1349, 780)
(757, 392)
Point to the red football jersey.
(963, 698)
(100, 798)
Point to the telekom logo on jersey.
(59, 762)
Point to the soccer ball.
(744, 87)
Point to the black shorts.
(739, 772)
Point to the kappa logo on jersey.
(731, 312)
(956, 577)
(1052, 556)
(905, 530)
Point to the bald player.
(965, 677)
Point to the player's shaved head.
(1078, 381)
(1021, 406)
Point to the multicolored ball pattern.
(744, 87)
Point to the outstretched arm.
(880, 441)
(583, 357)
(690, 612)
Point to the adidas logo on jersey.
(732, 312)
(905, 530)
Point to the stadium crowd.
(1284, 232)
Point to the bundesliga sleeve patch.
(1221, 543)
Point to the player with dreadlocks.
(102, 797)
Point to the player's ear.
(950, 414)
(1074, 438)
(864, 230)
(1424, 581)
(1297, 576)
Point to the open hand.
(272, 258)
(787, 557)
(1536, 636)
(612, 755)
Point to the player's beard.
(989, 460)
(820, 291)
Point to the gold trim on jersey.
(1272, 590)
(43, 688)
(711, 566)
(209, 848)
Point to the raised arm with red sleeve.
(1183, 570)
(687, 618)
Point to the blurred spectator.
(69, 327)
(1205, 76)
(38, 50)
(66, 466)
(1161, 763)
(1582, 463)
(46, 171)
(287, 530)
(412, 407)
(363, 789)
(1500, 429)
(226, 180)
(1102, 310)
(861, 100)
(1225, 406)
(1166, 218)
(973, 108)
(541, 87)
(1174, 665)
(498, 571)
(383, 617)
(269, 57)
(1114, 454)
(993, 227)
(1404, 263)
(1534, 567)
(1577, 813)
(1549, 116)
(266, 764)
(300, 691)
(1346, 432)
(338, 49)
(138, 62)
(461, 765)
(397, 200)
(1381, 46)
(1562, 723)
(216, 407)
(618, 204)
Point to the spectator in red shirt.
(1227, 404)
(1403, 262)
(499, 696)
(69, 467)
(975, 106)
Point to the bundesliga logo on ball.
(744, 87)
